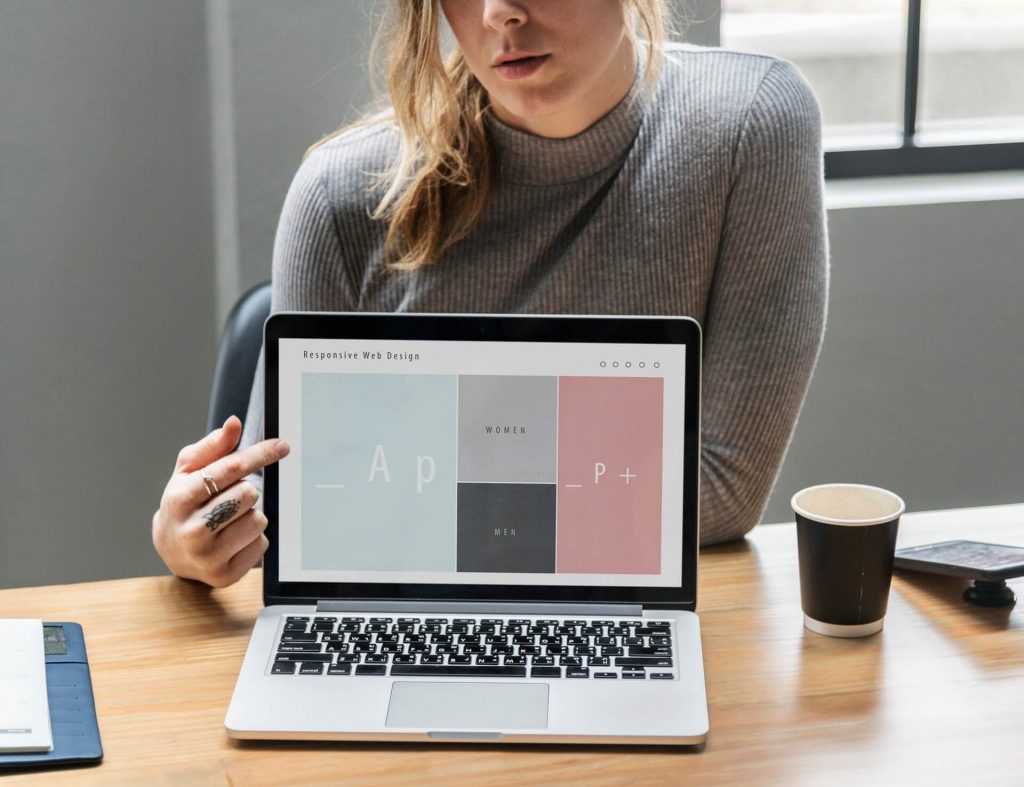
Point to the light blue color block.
(378, 472)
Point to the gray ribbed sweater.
(716, 213)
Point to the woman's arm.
(766, 309)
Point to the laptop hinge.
(480, 607)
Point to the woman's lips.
(518, 69)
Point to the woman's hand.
(206, 527)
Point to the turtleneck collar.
(533, 160)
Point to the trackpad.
(468, 706)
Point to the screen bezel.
(489, 328)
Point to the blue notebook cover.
(76, 735)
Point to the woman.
(555, 163)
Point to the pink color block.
(609, 524)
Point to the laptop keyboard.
(475, 647)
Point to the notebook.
(486, 531)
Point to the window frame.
(910, 157)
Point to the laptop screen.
(472, 462)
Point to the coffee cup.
(846, 538)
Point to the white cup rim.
(828, 520)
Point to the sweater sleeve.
(308, 272)
(767, 304)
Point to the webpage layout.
(497, 463)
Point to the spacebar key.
(457, 671)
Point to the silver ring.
(209, 482)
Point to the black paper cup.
(846, 537)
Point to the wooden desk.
(937, 697)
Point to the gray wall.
(145, 149)
(106, 276)
(920, 382)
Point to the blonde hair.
(438, 185)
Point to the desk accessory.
(989, 565)
(76, 734)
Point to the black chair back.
(237, 354)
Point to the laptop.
(486, 531)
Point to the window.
(913, 87)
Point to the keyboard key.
(599, 661)
(283, 668)
(339, 669)
(377, 658)
(543, 661)
(437, 621)
(294, 626)
(296, 619)
(322, 625)
(382, 620)
(640, 651)
(404, 659)
(353, 620)
(643, 661)
(300, 647)
(429, 659)
(371, 669)
(459, 659)
(515, 660)
(457, 670)
(627, 675)
(571, 661)
(577, 672)
(486, 659)
(348, 658)
(611, 651)
(323, 658)
(605, 675)
(546, 672)
(298, 636)
(662, 676)
(311, 668)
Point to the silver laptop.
(486, 530)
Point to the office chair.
(237, 354)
